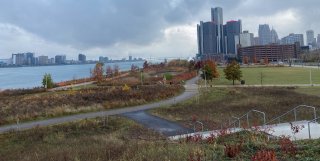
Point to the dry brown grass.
(34, 106)
(218, 105)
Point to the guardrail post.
(309, 130)
(295, 114)
(248, 124)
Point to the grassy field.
(218, 105)
(273, 76)
(119, 139)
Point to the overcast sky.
(142, 28)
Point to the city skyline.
(159, 28)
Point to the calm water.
(29, 77)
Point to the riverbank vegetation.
(133, 88)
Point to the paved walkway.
(278, 130)
(191, 91)
(158, 124)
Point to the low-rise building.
(272, 52)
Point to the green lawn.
(273, 76)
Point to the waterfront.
(29, 77)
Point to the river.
(29, 77)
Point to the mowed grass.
(272, 76)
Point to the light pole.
(310, 77)
(141, 74)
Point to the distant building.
(273, 52)
(293, 38)
(82, 58)
(256, 41)
(311, 40)
(217, 19)
(310, 37)
(51, 61)
(274, 37)
(264, 34)
(30, 59)
(19, 59)
(60, 59)
(103, 59)
(207, 39)
(43, 60)
(130, 58)
(232, 32)
(23, 59)
(246, 39)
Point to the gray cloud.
(125, 26)
(97, 23)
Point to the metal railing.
(294, 110)
(312, 121)
(238, 119)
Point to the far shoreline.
(49, 65)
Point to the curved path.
(191, 89)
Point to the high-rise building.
(207, 39)
(82, 58)
(43, 60)
(274, 37)
(19, 59)
(264, 34)
(23, 59)
(293, 38)
(310, 37)
(30, 59)
(246, 39)
(60, 59)
(217, 19)
(232, 32)
(256, 41)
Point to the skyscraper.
(310, 37)
(274, 37)
(82, 58)
(207, 39)
(217, 19)
(232, 32)
(293, 38)
(246, 39)
(264, 34)
(60, 59)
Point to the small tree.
(207, 73)
(255, 59)
(245, 60)
(109, 71)
(213, 66)
(47, 81)
(145, 65)
(97, 73)
(233, 72)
